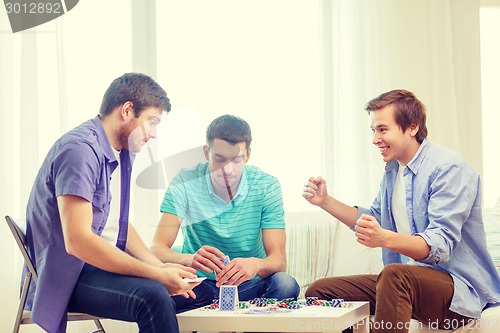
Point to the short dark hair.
(140, 89)
(229, 128)
(407, 109)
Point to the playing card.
(228, 298)
(225, 261)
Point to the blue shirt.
(235, 227)
(80, 163)
(443, 203)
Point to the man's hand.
(172, 277)
(208, 259)
(315, 191)
(238, 271)
(370, 233)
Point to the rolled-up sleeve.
(452, 194)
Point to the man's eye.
(238, 159)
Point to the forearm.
(166, 255)
(97, 252)
(342, 212)
(411, 246)
(270, 265)
(137, 248)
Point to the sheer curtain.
(52, 79)
(370, 47)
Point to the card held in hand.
(228, 298)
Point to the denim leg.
(279, 285)
(126, 298)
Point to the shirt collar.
(242, 187)
(415, 162)
(103, 139)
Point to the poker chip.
(311, 300)
(318, 302)
(287, 300)
(243, 305)
(337, 302)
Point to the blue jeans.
(279, 285)
(132, 299)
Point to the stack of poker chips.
(337, 302)
(310, 300)
(287, 303)
(215, 304)
(259, 302)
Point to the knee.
(155, 298)
(316, 289)
(393, 273)
(288, 286)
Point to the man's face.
(394, 144)
(226, 162)
(139, 130)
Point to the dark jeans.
(278, 285)
(399, 293)
(132, 299)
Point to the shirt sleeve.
(453, 191)
(375, 209)
(175, 201)
(272, 211)
(75, 170)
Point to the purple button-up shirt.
(80, 163)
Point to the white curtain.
(52, 79)
(370, 47)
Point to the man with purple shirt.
(68, 209)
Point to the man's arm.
(207, 258)
(240, 270)
(76, 220)
(164, 238)
(315, 192)
(137, 248)
(274, 243)
(371, 234)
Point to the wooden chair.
(23, 316)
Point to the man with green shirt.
(227, 208)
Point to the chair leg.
(99, 326)
(22, 302)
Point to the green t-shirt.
(234, 227)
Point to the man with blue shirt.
(426, 218)
(78, 270)
(225, 207)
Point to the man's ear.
(413, 129)
(249, 151)
(126, 110)
(206, 150)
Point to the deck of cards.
(228, 298)
(225, 261)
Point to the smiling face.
(226, 162)
(394, 144)
(137, 131)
